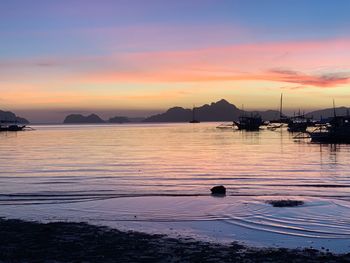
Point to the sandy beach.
(23, 241)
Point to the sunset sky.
(138, 57)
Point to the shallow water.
(89, 172)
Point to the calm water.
(168, 159)
(84, 170)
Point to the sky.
(138, 57)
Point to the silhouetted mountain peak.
(222, 102)
(175, 109)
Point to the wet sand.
(23, 241)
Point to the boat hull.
(12, 128)
(297, 127)
(250, 127)
(325, 137)
(249, 123)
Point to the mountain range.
(221, 110)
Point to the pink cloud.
(322, 63)
(317, 62)
(324, 80)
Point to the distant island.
(8, 116)
(93, 118)
(79, 118)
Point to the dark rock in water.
(218, 190)
(285, 203)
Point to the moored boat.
(11, 126)
(336, 131)
(249, 123)
(298, 123)
(194, 120)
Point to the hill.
(78, 118)
(326, 113)
(10, 116)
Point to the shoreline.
(27, 241)
(249, 221)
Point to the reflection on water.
(168, 159)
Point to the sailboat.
(283, 119)
(297, 123)
(194, 120)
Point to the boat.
(194, 120)
(299, 123)
(283, 119)
(336, 131)
(249, 123)
(11, 126)
(16, 127)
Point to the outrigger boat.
(11, 126)
(336, 131)
(249, 123)
(299, 123)
(281, 122)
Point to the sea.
(156, 178)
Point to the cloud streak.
(324, 64)
(235, 63)
(296, 77)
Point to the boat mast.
(193, 115)
(334, 111)
(281, 101)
